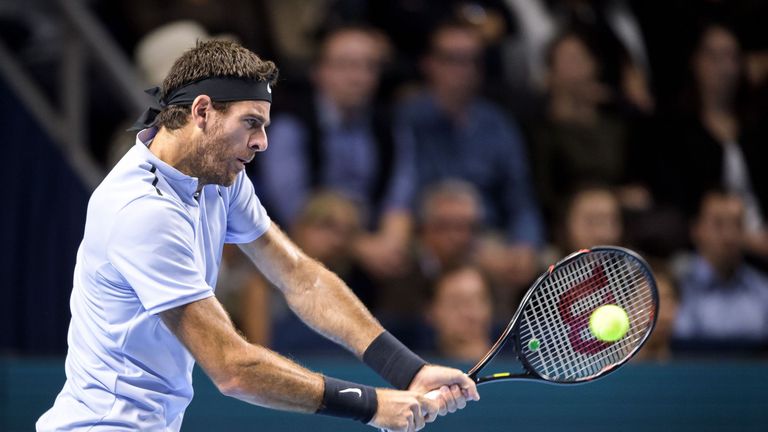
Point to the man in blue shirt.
(142, 303)
(336, 137)
(724, 301)
(458, 134)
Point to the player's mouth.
(244, 161)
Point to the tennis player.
(143, 307)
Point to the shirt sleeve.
(247, 219)
(152, 248)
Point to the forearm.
(262, 377)
(248, 372)
(325, 303)
(317, 295)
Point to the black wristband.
(393, 361)
(349, 400)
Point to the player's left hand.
(455, 387)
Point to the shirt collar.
(184, 185)
(703, 272)
(330, 115)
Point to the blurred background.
(437, 155)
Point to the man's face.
(719, 231)
(454, 64)
(717, 64)
(330, 238)
(229, 141)
(461, 310)
(450, 228)
(594, 219)
(573, 67)
(348, 72)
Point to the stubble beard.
(206, 160)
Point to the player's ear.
(201, 111)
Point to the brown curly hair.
(214, 58)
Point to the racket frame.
(530, 373)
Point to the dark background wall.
(41, 224)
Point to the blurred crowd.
(438, 155)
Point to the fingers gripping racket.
(550, 329)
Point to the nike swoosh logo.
(353, 390)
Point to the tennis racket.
(550, 329)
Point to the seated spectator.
(460, 312)
(715, 140)
(591, 216)
(337, 138)
(326, 229)
(458, 134)
(724, 302)
(449, 224)
(577, 142)
(450, 218)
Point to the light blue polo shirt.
(149, 245)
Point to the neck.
(455, 104)
(569, 109)
(346, 112)
(725, 269)
(716, 102)
(167, 145)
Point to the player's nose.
(258, 142)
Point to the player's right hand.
(403, 411)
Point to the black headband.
(220, 89)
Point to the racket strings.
(557, 316)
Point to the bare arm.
(317, 295)
(259, 376)
(247, 372)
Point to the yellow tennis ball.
(609, 323)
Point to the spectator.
(724, 301)
(577, 142)
(450, 218)
(460, 135)
(460, 313)
(339, 139)
(716, 141)
(591, 216)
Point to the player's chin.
(227, 179)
